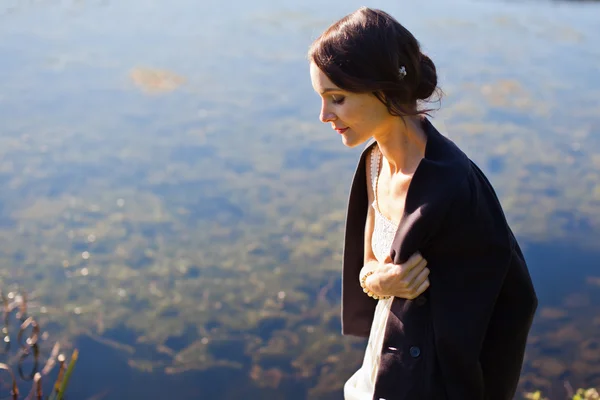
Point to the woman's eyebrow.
(327, 90)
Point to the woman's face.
(356, 117)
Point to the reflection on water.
(176, 209)
(563, 344)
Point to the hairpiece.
(402, 72)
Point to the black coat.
(464, 338)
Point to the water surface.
(174, 208)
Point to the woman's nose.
(326, 115)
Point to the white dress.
(360, 386)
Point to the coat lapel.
(432, 187)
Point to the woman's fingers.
(411, 263)
(423, 287)
(413, 292)
(407, 280)
(420, 278)
(417, 281)
(413, 275)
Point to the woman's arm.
(407, 281)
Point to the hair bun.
(428, 82)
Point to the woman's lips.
(341, 130)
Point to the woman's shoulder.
(476, 210)
(451, 174)
(459, 187)
(476, 192)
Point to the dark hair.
(365, 51)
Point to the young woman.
(432, 273)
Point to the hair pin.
(402, 72)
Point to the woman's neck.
(403, 145)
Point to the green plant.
(581, 394)
(586, 394)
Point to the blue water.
(172, 142)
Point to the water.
(153, 156)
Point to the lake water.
(173, 208)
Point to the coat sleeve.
(469, 263)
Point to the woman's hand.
(406, 280)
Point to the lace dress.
(360, 386)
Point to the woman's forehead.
(321, 83)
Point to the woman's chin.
(351, 141)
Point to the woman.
(432, 273)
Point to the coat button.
(421, 300)
(415, 351)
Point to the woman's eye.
(338, 100)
